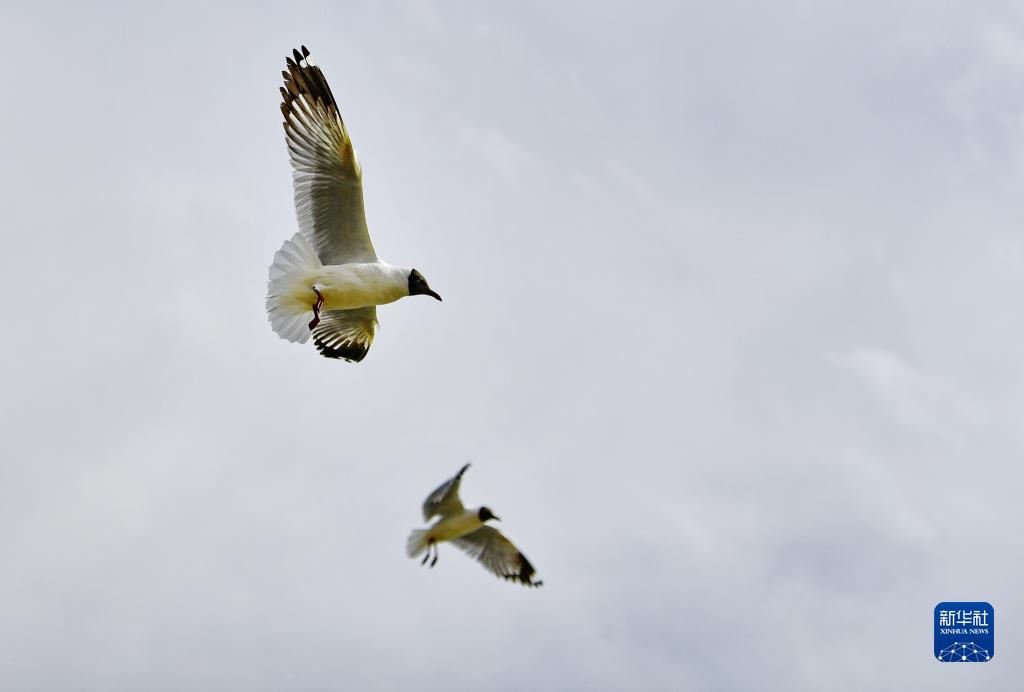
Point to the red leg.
(316, 309)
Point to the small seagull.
(466, 528)
(327, 280)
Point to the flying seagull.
(467, 529)
(327, 280)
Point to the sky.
(731, 335)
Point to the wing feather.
(444, 501)
(326, 174)
(490, 548)
(346, 334)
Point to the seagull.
(327, 280)
(467, 529)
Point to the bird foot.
(316, 309)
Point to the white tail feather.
(292, 262)
(417, 542)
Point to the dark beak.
(432, 294)
(495, 518)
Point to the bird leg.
(434, 561)
(316, 309)
(427, 556)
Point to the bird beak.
(495, 518)
(431, 293)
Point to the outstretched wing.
(497, 553)
(346, 333)
(327, 176)
(445, 499)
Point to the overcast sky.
(731, 333)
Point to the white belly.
(347, 286)
(453, 527)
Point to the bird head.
(485, 513)
(418, 285)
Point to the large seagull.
(327, 280)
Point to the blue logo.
(964, 631)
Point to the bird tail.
(417, 542)
(287, 308)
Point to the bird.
(326, 280)
(469, 531)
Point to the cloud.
(913, 398)
(729, 335)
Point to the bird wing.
(445, 500)
(327, 177)
(498, 554)
(346, 333)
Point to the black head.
(485, 513)
(418, 285)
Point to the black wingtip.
(462, 471)
(349, 351)
(305, 52)
(526, 573)
(296, 55)
(525, 581)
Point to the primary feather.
(327, 177)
